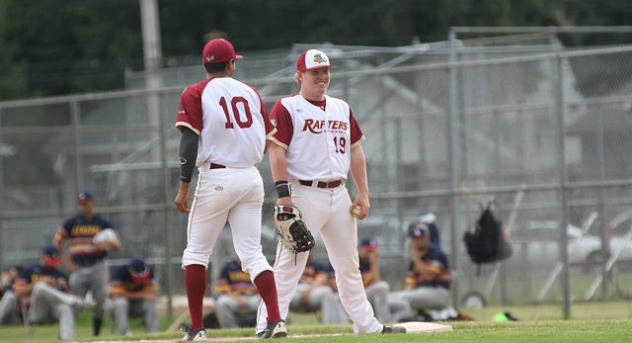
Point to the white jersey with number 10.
(230, 118)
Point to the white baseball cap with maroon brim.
(312, 59)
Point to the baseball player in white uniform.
(224, 126)
(316, 143)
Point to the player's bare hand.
(284, 201)
(360, 206)
(181, 198)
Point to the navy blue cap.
(419, 230)
(369, 242)
(137, 265)
(84, 197)
(50, 250)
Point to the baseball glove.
(293, 233)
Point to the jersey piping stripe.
(185, 124)
(359, 142)
(277, 142)
(271, 133)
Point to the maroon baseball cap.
(312, 59)
(219, 50)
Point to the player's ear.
(298, 77)
(231, 66)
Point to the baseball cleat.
(277, 329)
(393, 329)
(195, 335)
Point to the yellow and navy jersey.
(38, 273)
(438, 274)
(312, 270)
(365, 269)
(123, 282)
(233, 279)
(80, 231)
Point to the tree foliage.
(56, 47)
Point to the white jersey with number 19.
(230, 119)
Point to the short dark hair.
(216, 67)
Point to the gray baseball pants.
(377, 294)
(323, 298)
(9, 308)
(124, 308)
(227, 307)
(49, 304)
(425, 297)
(95, 279)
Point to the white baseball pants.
(228, 194)
(326, 213)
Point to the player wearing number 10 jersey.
(224, 127)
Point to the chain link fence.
(541, 128)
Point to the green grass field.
(594, 322)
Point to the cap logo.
(318, 58)
(210, 58)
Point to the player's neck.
(313, 96)
(223, 73)
(88, 215)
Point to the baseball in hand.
(104, 236)
(356, 211)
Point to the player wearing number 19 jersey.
(224, 127)
(317, 143)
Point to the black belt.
(216, 166)
(321, 184)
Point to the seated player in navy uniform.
(313, 293)
(386, 307)
(335, 313)
(44, 290)
(428, 279)
(134, 293)
(238, 299)
(429, 220)
(10, 309)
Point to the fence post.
(2, 193)
(601, 160)
(560, 108)
(454, 168)
(74, 112)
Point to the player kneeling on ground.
(238, 299)
(387, 308)
(133, 293)
(10, 306)
(428, 280)
(44, 290)
(313, 294)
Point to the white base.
(415, 327)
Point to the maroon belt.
(321, 184)
(216, 166)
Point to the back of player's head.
(219, 50)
